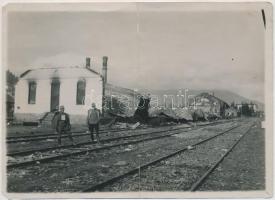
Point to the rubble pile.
(207, 108)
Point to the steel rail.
(29, 138)
(54, 136)
(48, 133)
(198, 183)
(39, 135)
(144, 166)
(51, 158)
(86, 143)
(22, 153)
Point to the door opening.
(55, 88)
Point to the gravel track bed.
(179, 172)
(23, 146)
(77, 172)
(18, 131)
(244, 168)
(50, 153)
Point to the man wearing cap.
(62, 124)
(93, 119)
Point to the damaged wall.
(68, 78)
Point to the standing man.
(93, 119)
(62, 124)
(54, 119)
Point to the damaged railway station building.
(40, 91)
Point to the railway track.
(50, 156)
(130, 135)
(194, 187)
(49, 133)
(21, 153)
(31, 138)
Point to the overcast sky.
(158, 47)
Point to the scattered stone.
(68, 181)
(11, 159)
(121, 163)
(174, 173)
(225, 150)
(20, 173)
(30, 157)
(127, 149)
(167, 162)
(190, 147)
(53, 175)
(135, 125)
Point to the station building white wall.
(68, 92)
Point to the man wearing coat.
(61, 123)
(93, 119)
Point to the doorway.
(55, 88)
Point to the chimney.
(104, 75)
(88, 62)
(104, 69)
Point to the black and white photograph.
(142, 99)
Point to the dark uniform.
(62, 125)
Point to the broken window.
(32, 92)
(80, 94)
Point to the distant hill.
(224, 95)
